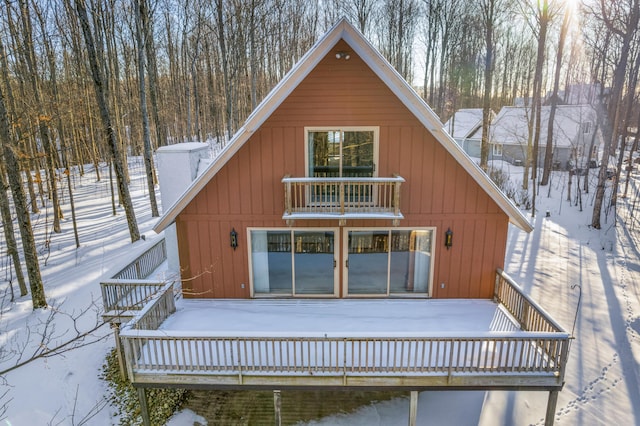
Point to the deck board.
(340, 316)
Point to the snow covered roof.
(385, 71)
(510, 125)
(464, 122)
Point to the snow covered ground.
(563, 261)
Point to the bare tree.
(621, 19)
(44, 118)
(548, 155)
(489, 10)
(141, 9)
(20, 204)
(7, 225)
(105, 115)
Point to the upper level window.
(586, 127)
(341, 152)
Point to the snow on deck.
(357, 316)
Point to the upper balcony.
(342, 198)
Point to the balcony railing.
(334, 197)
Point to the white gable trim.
(381, 67)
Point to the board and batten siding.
(248, 192)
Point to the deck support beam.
(549, 418)
(144, 407)
(119, 352)
(413, 408)
(277, 407)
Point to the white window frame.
(497, 149)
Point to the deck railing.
(128, 291)
(486, 353)
(144, 264)
(342, 196)
(421, 359)
(531, 316)
(527, 312)
(158, 309)
(128, 295)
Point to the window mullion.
(389, 263)
(293, 263)
(341, 158)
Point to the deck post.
(413, 408)
(551, 408)
(144, 407)
(119, 352)
(277, 405)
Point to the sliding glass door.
(293, 262)
(376, 262)
(383, 262)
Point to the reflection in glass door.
(313, 262)
(388, 262)
(367, 262)
(293, 262)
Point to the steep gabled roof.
(383, 69)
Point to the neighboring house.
(462, 125)
(575, 136)
(342, 186)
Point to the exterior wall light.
(448, 238)
(234, 238)
(343, 55)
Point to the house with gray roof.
(465, 126)
(575, 136)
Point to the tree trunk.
(9, 233)
(225, 66)
(627, 34)
(123, 189)
(22, 212)
(43, 119)
(141, 10)
(12, 246)
(548, 154)
(489, 17)
(537, 98)
(152, 72)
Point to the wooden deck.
(522, 349)
(532, 357)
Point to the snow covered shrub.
(512, 190)
(124, 398)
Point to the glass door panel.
(324, 162)
(314, 262)
(368, 262)
(324, 153)
(357, 154)
(271, 262)
(421, 243)
(388, 261)
(399, 262)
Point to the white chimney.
(177, 168)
